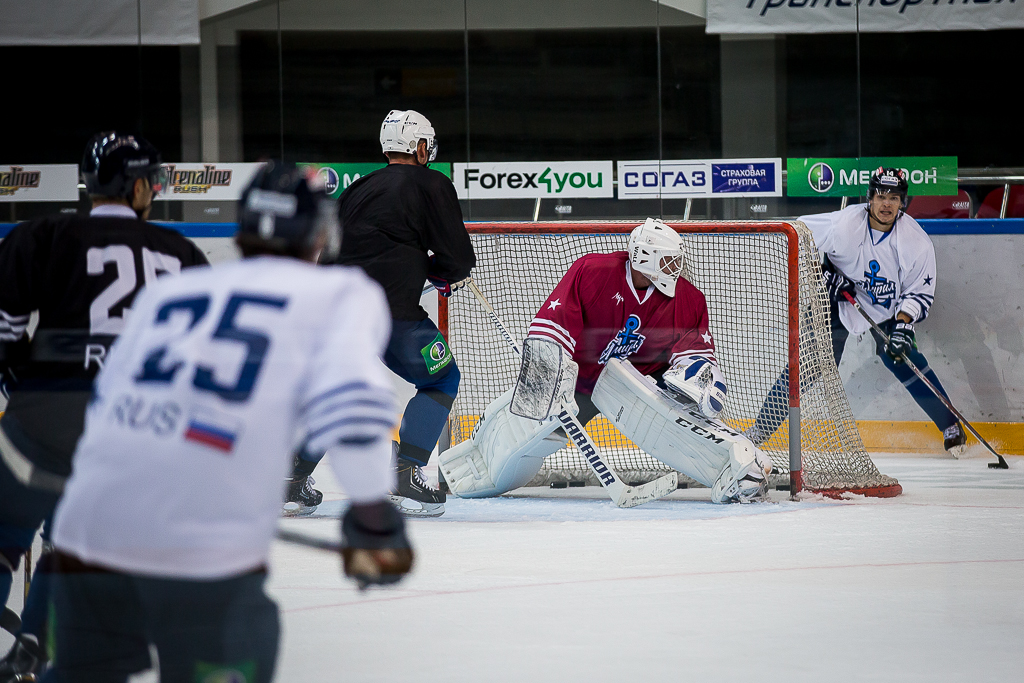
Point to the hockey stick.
(1001, 465)
(296, 538)
(623, 495)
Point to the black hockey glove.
(901, 341)
(442, 285)
(836, 284)
(374, 547)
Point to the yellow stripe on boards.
(880, 436)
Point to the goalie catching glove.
(444, 286)
(374, 547)
(701, 381)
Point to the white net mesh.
(743, 274)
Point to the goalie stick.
(623, 495)
(1001, 465)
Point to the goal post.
(769, 316)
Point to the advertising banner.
(679, 179)
(848, 177)
(876, 16)
(531, 179)
(110, 22)
(39, 183)
(207, 182)
(337, 177)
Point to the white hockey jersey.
(894, 271)
(219, 376)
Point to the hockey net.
(768, 313)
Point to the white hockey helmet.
(403, 130)
(656, 251)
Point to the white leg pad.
(505, 452)
(673, 432)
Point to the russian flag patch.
(215, 430)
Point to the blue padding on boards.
(973, 226)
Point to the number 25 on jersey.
(160, 365)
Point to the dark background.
(558, 94)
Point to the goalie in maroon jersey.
(627, 305)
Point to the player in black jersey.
(80, 274)
(390, 220)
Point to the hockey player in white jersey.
(624, 335)
(164, 530)
(885, 260)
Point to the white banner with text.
(875, 16)
(682, 178)
(39, 183)
(531, 179)
(207, 182)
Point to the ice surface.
(559, 585)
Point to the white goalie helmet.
(403, 130)
(656, 251)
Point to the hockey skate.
(413, 496)
(302, 498)
(954, 440)
(24, 663)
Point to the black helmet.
(888, 180)
(112, 162)
(285, 210)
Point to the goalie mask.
(656, 251)
(403, 130)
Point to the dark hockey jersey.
(390, 219)
(81, 275)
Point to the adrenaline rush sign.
(39, 183)
(207, 182)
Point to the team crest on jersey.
(627, 342)
(881, 289)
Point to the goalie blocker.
(677, 434)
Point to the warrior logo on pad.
(626, 342)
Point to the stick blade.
(632, 496)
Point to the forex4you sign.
(531, 179)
